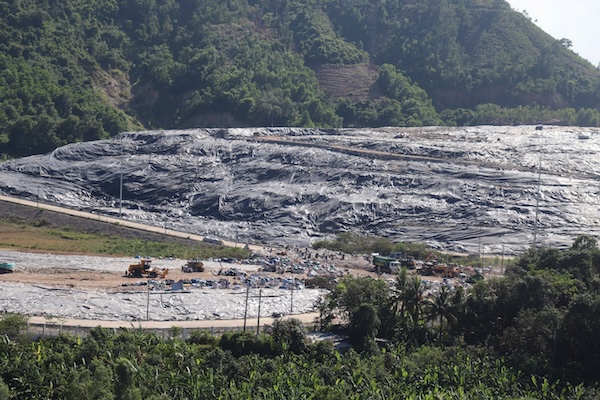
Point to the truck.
(385, 264)
(442, 269)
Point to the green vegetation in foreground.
(542, 316)
(531, 334)
(39, 236)
(281, 364)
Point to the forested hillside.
(75, 70)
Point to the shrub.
(11, 325)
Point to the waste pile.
(470, 190)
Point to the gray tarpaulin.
(461, 189)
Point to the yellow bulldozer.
(193, 266)
(144, 268)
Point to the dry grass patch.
(21, 236)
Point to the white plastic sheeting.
(472, 190)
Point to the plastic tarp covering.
(470, 190)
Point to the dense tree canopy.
(540, 316)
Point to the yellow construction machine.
(193, 266)
(143, 268)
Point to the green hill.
(76, 70)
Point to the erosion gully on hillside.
(473, 190)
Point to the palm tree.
(408, 299)
(441, 306)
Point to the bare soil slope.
(357, 82)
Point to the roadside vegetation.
(352, 243)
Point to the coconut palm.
(441, 306)
(408, 300)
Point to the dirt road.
(307, 318)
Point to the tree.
(531, 342)
(440, 308)
(364, 324)
(566, 42)
(408, 302)
(5, 392)
(124, 385)
(289, 334)
(578, 343)
(12, 325)
(93, 382)
(585, 242)
(351, 292)
(243, 343)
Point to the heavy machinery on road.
(143, 268)
(193, 266)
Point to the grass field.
(40, 236)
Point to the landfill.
(473, 190)
(143, 299)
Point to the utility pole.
(537, 205)
(292, 295)
(258, 320)
(121, 180)
(479, 242)
(148, 303)
(502, 264)
(246, 307)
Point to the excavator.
(143, 269)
